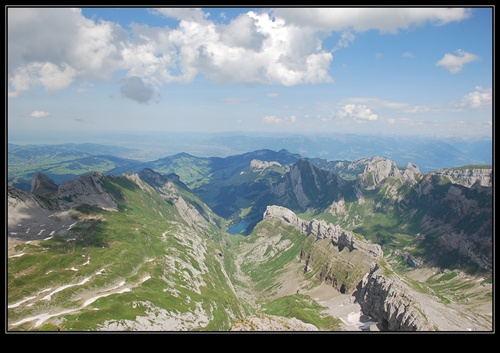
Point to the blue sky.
(394, 71)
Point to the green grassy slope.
(142, 268)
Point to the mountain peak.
(42, 185)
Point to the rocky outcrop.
(319, 229)
(261, 165)
(42, 185)
(389, 302)
(86, 189)
(159, 180)
(336, 257)
(457, 219)
(468, 176)
(378, 169)
(264, 322)
(32, 217)
(306, 186)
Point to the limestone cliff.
(378, 169)
(468, 176)
(264, 322)
(336, 256)
(389, 302)
(339, 237)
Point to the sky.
(383, 70)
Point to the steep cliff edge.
(390, 303)
(396, 302)
(468, 176)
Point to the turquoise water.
(238, 228)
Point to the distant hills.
(64, 161)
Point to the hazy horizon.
(419, 71)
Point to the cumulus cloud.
(385, 20)
(135, 88)
(54, 47)
(272, 119)
(480, 98)
(357, 112)
(183, 14)
(455, 63)
(39, 114)
(46, 74)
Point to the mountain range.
(265, 240)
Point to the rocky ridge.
(389, 302)
(264, 322)
(468, 176)
(320, 229)
(385, 300)
(378, 169)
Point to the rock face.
(306, 186)
(42, 185)
(460, 218)
(271, 323)
(261, 165)
(379, 168)
(339, 237)
(468, 176)
(47, 210)
(336, 257)
(390, 303)
(87, 189)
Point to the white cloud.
(345, 39)
(455, 63)
(407, 54)
(480, 98)
(272, 95)
(39, 114)
(272, 119)
(378, 55)
(182, 14)
(385, 20)
(357, 112)
(45, 74)
(54, 47)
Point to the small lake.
(238, 228)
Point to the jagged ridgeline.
(261, 241)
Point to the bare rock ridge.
(46, 211)
(321, 229)
(87, 189)
(378, 169)
(389, 302)
(42, 185)
(264, 322)
(468, 176)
